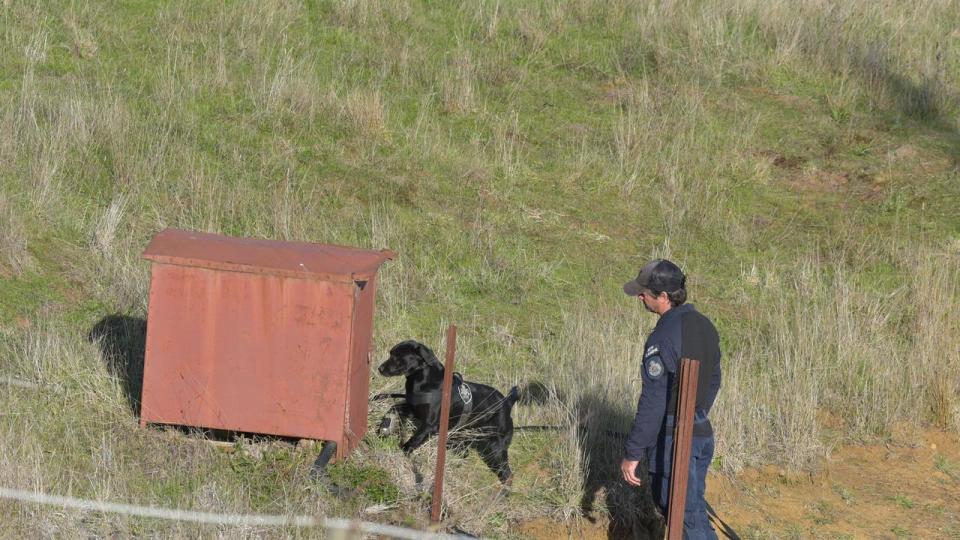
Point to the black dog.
(477, 409)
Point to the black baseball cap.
(657, 275)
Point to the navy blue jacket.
(680, 332)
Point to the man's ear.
(429, 358)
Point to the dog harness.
(460, 387)
(466, 396)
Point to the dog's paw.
(387, 426)
(503, 492)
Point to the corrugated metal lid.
(297, 259)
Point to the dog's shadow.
(122, 340)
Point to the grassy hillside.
(799, 160)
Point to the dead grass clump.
(83, 43)
(45, 175)
(105, 229)
(364, 14)
(365, 112)
(459, 94)
(15, 256)
(508, 144)
(882, 56)
(64, 366)
(935, 351)
(115, 272)
(70, 121)
(115, 125)
(35, 52)
(394, 295)
(293, 86)
(356, 12)
(818, 344)
(634, 134)
(487, 18)
(530, 28)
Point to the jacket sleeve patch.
(654, 367)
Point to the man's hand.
(628, 468)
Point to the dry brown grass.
(365, 111)
(15, 257)
(936, 336)
(458, 83)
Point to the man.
(681, 332)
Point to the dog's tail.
(513, 396)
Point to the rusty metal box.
(259, 336)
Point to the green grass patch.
(370, 482)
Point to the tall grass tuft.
(459, 94)
(15, 257)
(824, 345)
(365, 112)
(934, 350)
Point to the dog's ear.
(408, 344)
(429, 358)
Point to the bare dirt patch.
(780, 160)
(905, 152)
(790, 100)
(820, 181)
(619, 91)
(544, 528)
(906, 488)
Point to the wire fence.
(211, 518)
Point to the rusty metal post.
(444, 421)
(682, 441)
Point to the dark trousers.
(696, 525)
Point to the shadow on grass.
(631, 510)
(929, 99)
(122, 341)
(926, 98)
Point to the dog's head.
(408, 357)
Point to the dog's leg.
(503, 468)
(493, 452)
(422, 434)
(425, 428)
(503, 445)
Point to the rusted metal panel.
(237, 345)
(360, 352)
(254, 255)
